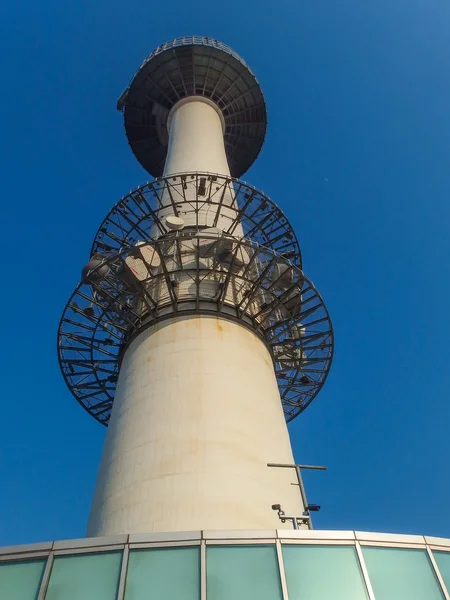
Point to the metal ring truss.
(186, 273)
(142, 213)
(194, 66)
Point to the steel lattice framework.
(142, 271)
(175, 275)
(191, 66)
(143, 209)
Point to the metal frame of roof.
(194, 66)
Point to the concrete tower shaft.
(196, 143)
(183, 449)
(196, 128)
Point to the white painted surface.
(196, 138)
(196, 418)
(196, 143)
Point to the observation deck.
(194, 66)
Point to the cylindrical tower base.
(196, 418)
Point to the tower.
(194, 334)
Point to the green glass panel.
(443, 563)
(163, 574)
(20, 580)
(323, 573)
(85, 577)
(397, 573)
(242, 573)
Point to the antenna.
(308, 507)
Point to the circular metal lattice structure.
(194, 66)
(143, 212)
(185, 273)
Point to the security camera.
(276, 506)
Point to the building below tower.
(230, 565)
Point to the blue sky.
(357, 155)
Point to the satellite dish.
(94, 263)
(282, 275)
(174, 223)
(212, 241)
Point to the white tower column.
(196, 418)
(197, 413)
(196, 129)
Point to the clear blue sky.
(357, 154)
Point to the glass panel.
(323, 573)
(163, 574)
(85, 577)
(443, 563)
(20, 580)
(242, 573)
(401, 573)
